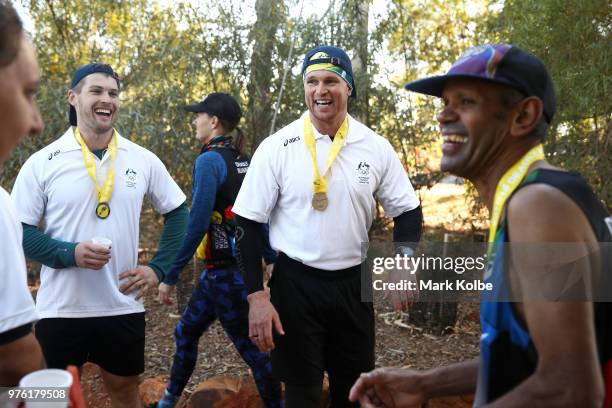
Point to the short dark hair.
(509, 97)
(11, 30)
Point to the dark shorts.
(327, 326)
(15, 334)
(115, 343)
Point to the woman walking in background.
(220, 293)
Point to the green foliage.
(573, 39)
(425, 36)
(174, 53)
(166, 58)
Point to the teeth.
(455, 138)
(323, 102)
(106, 111)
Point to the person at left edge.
(92, 182)
(20, 353)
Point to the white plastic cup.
(48, 381)
(102, 241)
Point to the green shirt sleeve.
(175, 226)
(48, 251)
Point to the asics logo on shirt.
(293, 139)
(52, 155)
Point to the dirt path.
(397, 344)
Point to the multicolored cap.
(499, 63)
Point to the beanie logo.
(319, 55)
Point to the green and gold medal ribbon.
(105, 192)
(508, 183)
(319, 184)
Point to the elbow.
(588, 396)
(572, 389)
(593, 395)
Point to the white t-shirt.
(16, 303)
(53, 189)
(278, 189)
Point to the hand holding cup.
(93, 254)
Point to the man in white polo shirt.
(91, 183)
(19, 115)
(316, 181)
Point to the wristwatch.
(404, 251)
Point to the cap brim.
(429, 86)
(196, 108)
(435, 85)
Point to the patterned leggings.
(220, 293)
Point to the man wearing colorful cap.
(541, 344)
(316, 181)
(91, 183)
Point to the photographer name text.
(430, 285)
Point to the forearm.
(175, 225)
(407, 227)
(454, 379)
(48, 251)
(556, 387)
(269, 254)
(199, 221)
(249, 250)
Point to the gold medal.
(320, 201)
(319, 184)
(106, 191)
(103, 210)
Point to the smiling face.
(96, 101)
(19, 112)
(474, 126)
(326, 96)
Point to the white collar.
(68, 142)
(352, 136)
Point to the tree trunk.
(360, 10)
(260, 98)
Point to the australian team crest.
(363, 173)
(130, 178)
